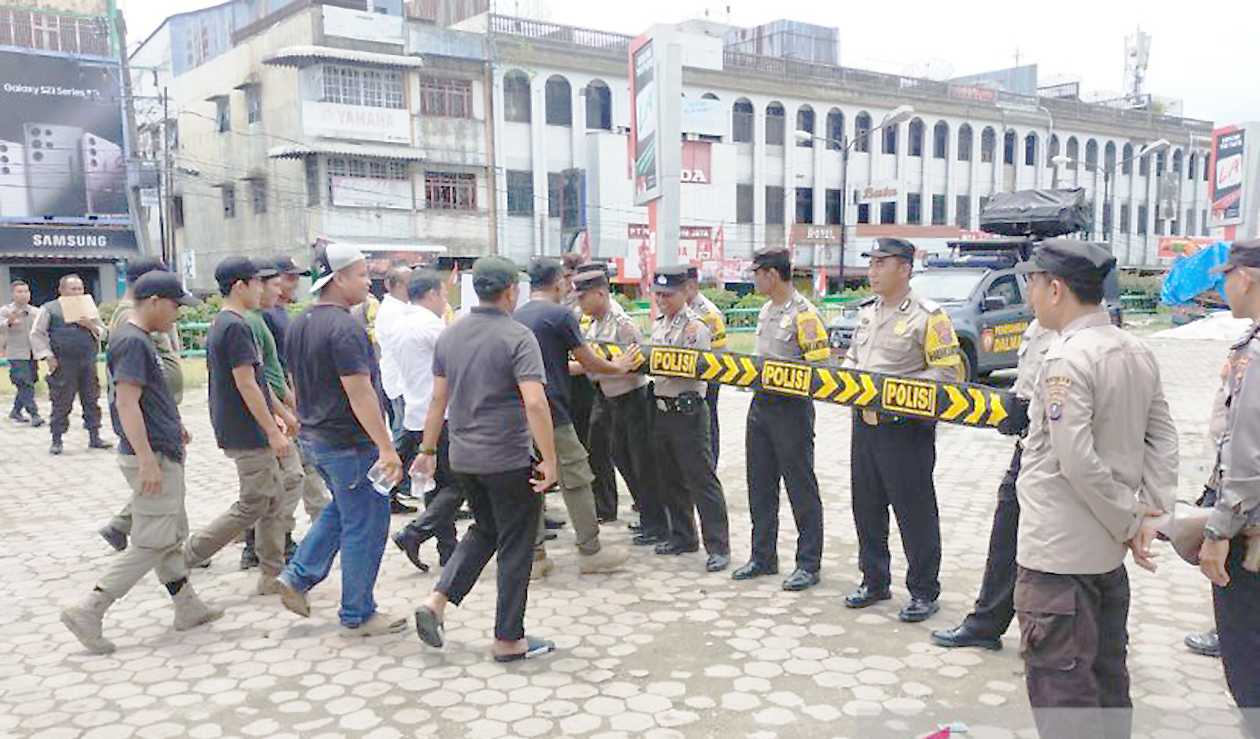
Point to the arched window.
(1008, 147)
(1052, 150)
(1178, 159)
(805, 122)
(862, 132)
(835, 128)
(742, 121)
(915, 143)
(1091, 155)
(1073, 152)
(559, 102)
(1126, 159)
(1109, 157)
(1030, 149)
(709, 96)
(774, 124)
(1144, 165)
(964, 142)
(1161, 160)
(940, 139)
(598, 106)
(890, 139)
(516, 97)
(1191, 171)
(988, 142)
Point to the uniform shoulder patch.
(929, 305)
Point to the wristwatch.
(427, 451)
(1212, 534)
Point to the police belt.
(960, 403)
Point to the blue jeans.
(355, 523)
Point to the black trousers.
(24, 373)
(629, 422)
(715, 437)
(440, 503)
(1236, 606)
(995, 606)
(686, 479)
(582, 397)
(505, 512)
(779, 445)
(892, 465)
(76, 377)
(1074, 639)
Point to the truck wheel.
(969, 362)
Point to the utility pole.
(164, 190)
(129, 117)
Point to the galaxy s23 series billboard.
(61, 140)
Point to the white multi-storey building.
(508, 135)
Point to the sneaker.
(267, 586)
(378, 625)
(249, 558)
(36, 421)
(17, 417)
(607, 559)
(542, 567)
(292, 598)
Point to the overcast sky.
(1197, 51)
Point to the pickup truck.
(984, 296)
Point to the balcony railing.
(50, 31)
(552, 33)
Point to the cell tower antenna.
(1137, 55)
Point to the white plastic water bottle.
(421, 482)
(380, 483)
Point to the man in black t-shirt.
(246, 429)
(558, 334)
(336, 379)
(151, 454)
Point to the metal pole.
(1110, 212)
(164, 190)
(844, 200)
(129, 146)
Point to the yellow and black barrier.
(960, 403)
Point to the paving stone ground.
(662, 649)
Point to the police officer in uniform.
(712, 317)
(1100, 464)
(598, 436)
(779, 442)
(1236, 585)
(684, 456)
(995, 605)
(893, 457)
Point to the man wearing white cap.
(336, 380)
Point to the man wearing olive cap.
(893, 457)
(1236, 586)
(1099, 464)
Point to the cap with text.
(162, 284)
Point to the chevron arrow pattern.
(829, 384)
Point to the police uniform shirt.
(712, 318)
(684, 329)
(1101, 451)
(792, 330)
(1032, 352)
(914, 338)
(1238, 456)
(619, 328)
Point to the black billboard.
(61, 139)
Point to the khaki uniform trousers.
(159, 528)
(575, 486)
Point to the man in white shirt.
(417, 335)
(392, 313)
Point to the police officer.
(995, 605)
(779, 442)
(1236, 587)
(598, 436)
(893, 457)
(1099, 465)
(712, 317)
(684, 456)
(622, 405)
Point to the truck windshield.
(945, 285)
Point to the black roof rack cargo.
(1040, 214)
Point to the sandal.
(533, 648)
(430, 630)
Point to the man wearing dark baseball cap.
(1099, 464)
(889, 247)
(1241, 254)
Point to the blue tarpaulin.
(1192, 276)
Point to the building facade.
(496, 134)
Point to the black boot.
(55, 448)
(249, 558)
(36, 421)
(16, 416)
(96, 442)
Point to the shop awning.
(346, 149)
(304, 56)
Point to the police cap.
(771, 256)
(669, 279)
(589, 280)
(889, 247)
(1081, 261)
(1241, 254)
(600, 267)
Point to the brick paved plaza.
(660, 650)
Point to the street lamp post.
(1109, 207)
(845, 144)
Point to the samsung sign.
(69, 240)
